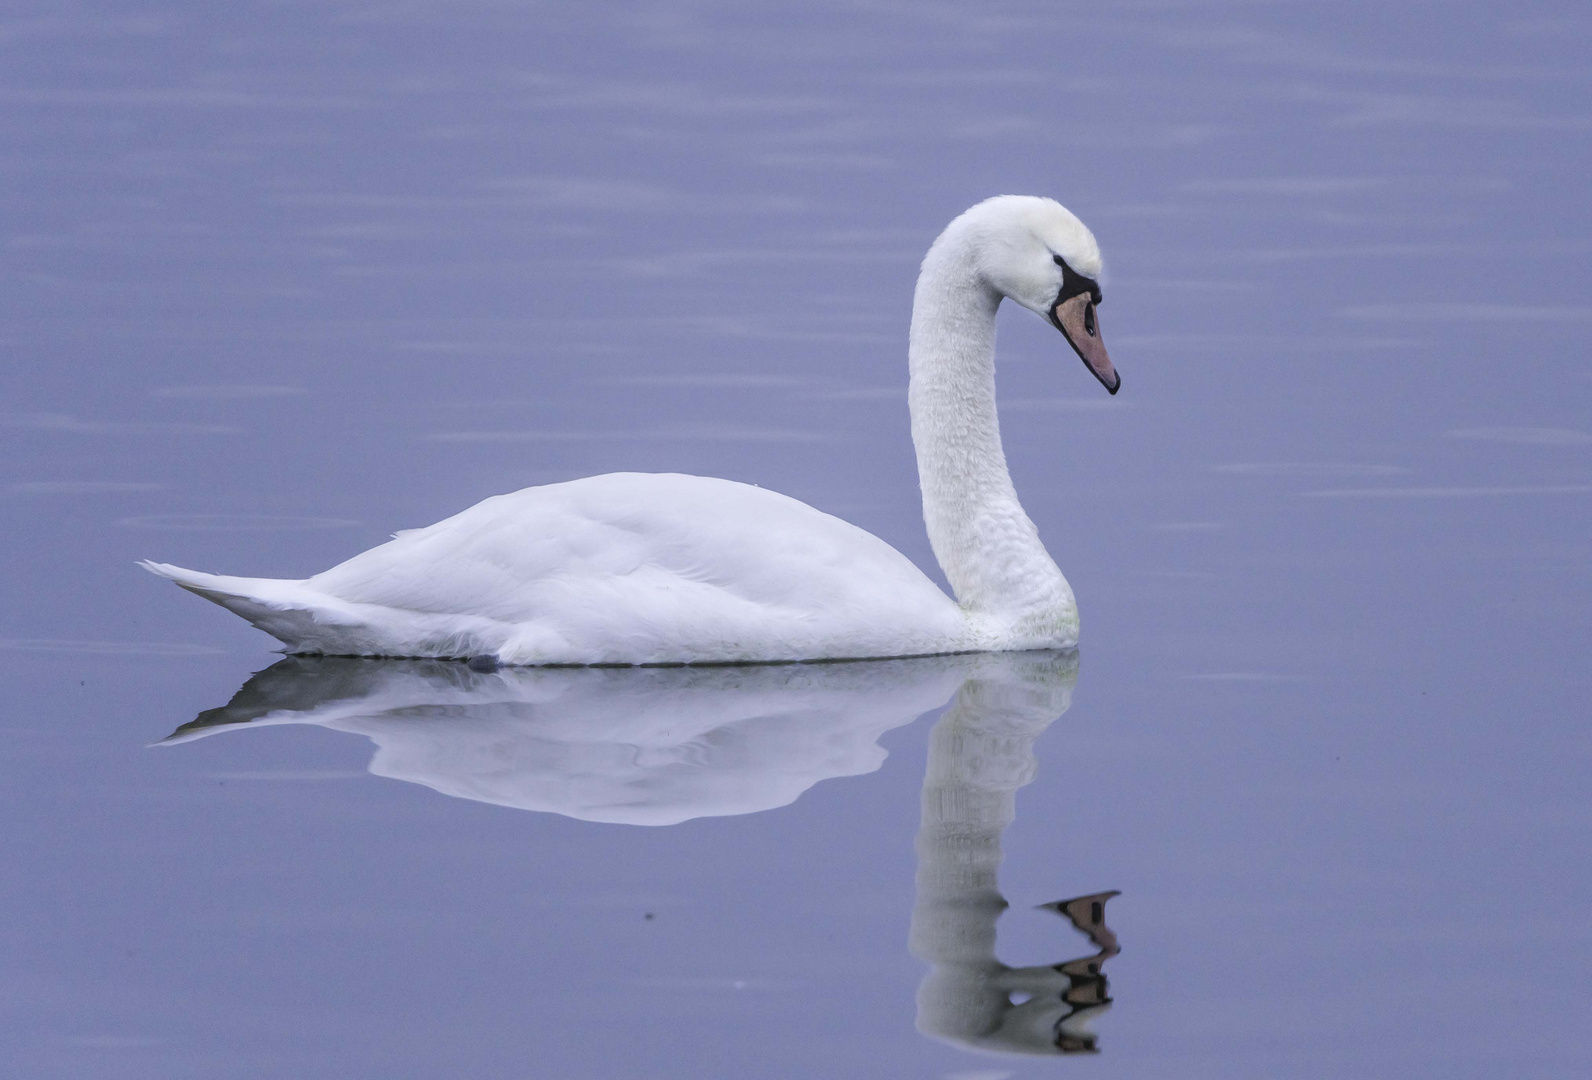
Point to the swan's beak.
(1075, 317)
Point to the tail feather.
(308, 620)
(286, 609)
(272, 592)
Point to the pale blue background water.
(280, 278)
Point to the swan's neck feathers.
(987, 546)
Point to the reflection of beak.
(1075, 317)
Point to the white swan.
(637, 568)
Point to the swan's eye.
(1088, 320)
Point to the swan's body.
(635, 568)
(629, 568)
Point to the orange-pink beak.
(1075, 317)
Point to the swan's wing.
(656, 567)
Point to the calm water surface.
(282, 278)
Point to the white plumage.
(627, 568)
(637, 568)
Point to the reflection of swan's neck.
(980, 753)
(987, 546)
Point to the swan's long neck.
(986, 544)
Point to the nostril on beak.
(1089, 320)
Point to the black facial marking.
(1073, 283)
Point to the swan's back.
(621, 568)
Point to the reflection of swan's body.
(655, 746)
(635, 568)
(643, 746)
(980, 753)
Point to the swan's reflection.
(638, 746)
(980, 753)
(656, 746)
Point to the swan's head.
(1038, 253)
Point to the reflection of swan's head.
(1038, 253)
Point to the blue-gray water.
(282, 278)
